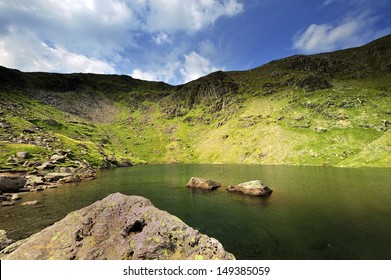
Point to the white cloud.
(195, 66)
(180, 70)
(27, 53)
(357, 27)
(328, 37)
(178, 15)
(102, 36)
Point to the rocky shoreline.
(61, 168)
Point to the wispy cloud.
(357, 27)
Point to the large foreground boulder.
(120, 227)
(255, 188)
(11, 183)
(201, 183)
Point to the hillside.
(329, 109)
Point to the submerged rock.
(201, 183)
(256, 188)
(120, 227)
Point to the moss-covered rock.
(120, 227)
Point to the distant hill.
(331, 109)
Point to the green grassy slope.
(327, 109)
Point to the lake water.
(313, 213)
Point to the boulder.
(4, 240)
(201, 183)
(11, 183)
(120, 227)
(256, 188)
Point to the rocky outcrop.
(120, 227)
(11, 183)
(201, 183)
(256, 188)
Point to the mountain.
(330, 109)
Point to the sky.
(178, 41)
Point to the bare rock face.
(255, 188)
(201, 183)
(120, 227)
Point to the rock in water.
(120, 227)
(201, 183)
(255, 188)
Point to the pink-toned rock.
(201, 183)
(120, 227)
(255, 188)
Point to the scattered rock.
(11, 183)
(124, 163)
(30, 203)
(46, 165)
(33, 180)
(4, 240)
(116, 228)
(255, 188)
(201, 183)
(56, 176)
(57, 158)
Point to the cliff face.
(116, 228)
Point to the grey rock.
(202, 183)
(56, 176)
(58, 158)
(11, 183)
(120, 227)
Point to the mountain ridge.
(323, 109)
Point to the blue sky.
(177, 41)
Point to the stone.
(201, 183)
(124, 163)
(23, 155)
(4, 240)
(58, 158)
(15, 196)
(46, 165)
(120, 227)
(34, 180)
(56, 176)
(30, 203)
(70, 179)
(255, 188)
(11, 183)
(7, 203)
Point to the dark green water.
(313, 213)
